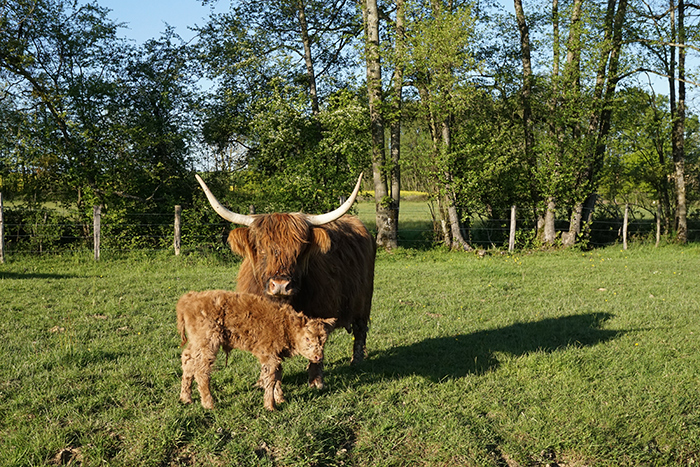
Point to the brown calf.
(271, 331)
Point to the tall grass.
(564, 357)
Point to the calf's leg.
(271, 377)
(202, 375)
(187, 376)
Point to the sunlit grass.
(528, 359)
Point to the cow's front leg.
(315, 375)
(359, 332)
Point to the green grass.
(415, 222)
(568, 357)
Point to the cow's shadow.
(456, 356)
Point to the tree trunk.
(527, 76)
(550, 233)
(600, 120)
(384, 218)
(458, 241)
(526, 105)
(396, 119)
(547, 223)
(678, 129)
(306, 41)
(571, 84)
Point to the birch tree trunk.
(678, 126)
(386, 228)
(396, 120)
(308, 59)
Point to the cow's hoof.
(357, 359)
(316, 383)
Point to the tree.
(272, 114)
(386, 227)
(94, 120)
(439, 57)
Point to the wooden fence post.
(624, 226)
(96, 216)
(658, 224)
(178, 233)
(511, 238)
(2, 233)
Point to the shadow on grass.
(35, 275)
(459, 355)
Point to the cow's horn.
(338, 213)
(222, 211)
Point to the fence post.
(96, 215)
(658, 224)
(511, 238)
(177, 241)
(2, 233)
(624, 226)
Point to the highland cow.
(271, 331)
(322, 265)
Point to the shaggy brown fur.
(271, 331)
(325, 272)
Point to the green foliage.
(41, 229)
(300, 162)
(91, 119)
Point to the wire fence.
(46, 231)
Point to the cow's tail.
(181, 326)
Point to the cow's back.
(341, 282)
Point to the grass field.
(568, 358)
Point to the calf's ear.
(240, 242)
(320, 240)
(330, 322)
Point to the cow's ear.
(320, 240)
(239, 241)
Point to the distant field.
(566, 358)
(415, 222)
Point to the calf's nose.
(317, 359)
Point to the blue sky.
(146, 19)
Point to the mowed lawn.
(569, 358)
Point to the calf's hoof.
(270, 407)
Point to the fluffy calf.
(271, 331)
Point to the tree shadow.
(475, 353)
(34, 275)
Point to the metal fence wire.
(45, 231)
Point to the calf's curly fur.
(271, 331)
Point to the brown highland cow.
(322, 265)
